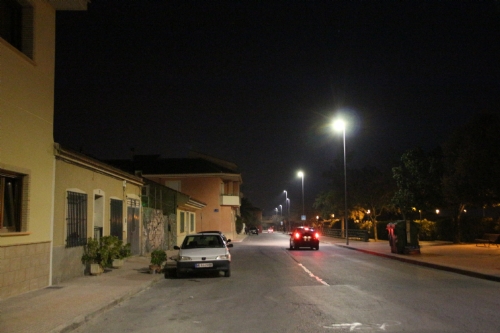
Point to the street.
(274, 289)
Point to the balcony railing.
(229, 200)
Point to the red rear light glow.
(297, 235)
(316, 235)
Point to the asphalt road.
(274, 289)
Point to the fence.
(362, 235)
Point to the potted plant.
(158, 257)
(92, 257)
(119, 252)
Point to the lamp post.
(288, 202)
(281, 212)
(340, 125)
(301, 175)
(276, 210)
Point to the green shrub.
(158, 257)
(239, 224)
(427, 229)
(97, 251)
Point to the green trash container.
(398, 238)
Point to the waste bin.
(398, 238)
(392, 237)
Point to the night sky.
(258, 82)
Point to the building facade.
(27, 49)
(91, 200)
(213, 181)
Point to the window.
(11, 201)
(191, 219)
(182, 222)
(76, 220)
(16, 24)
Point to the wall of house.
(207, 190)
(66, 262)
(26, 140)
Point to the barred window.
(11, 201)
(76, 220)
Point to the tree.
(332, 200)
(247, 213)
(370, 192)
(472, 167)
(368, 189)
(418, 180)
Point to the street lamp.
(301, 175)
(286, 199)
(288, 204)
(340, 125)
(281, 212)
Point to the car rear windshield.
(202, 241)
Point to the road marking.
(359, 326)
(312, 275)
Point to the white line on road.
(312, 275)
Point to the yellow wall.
(26, 147)
(69, 176)
(26, 121)
(213, 216)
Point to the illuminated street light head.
(339, 125)
(300, 174)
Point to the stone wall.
(23, 268)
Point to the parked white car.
(203, 252)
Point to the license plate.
(208, 264)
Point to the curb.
(426, 264)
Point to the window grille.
(76, 220)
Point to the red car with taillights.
(304, 237)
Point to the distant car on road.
(304, 237)
(203, 252)
(253, 231)
(271, 229)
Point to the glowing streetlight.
(301, 175)
(339, 125)
(286, 199)
(288, 205)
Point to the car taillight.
(316, 235)
(297, 235)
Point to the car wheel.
(227, 273)
(317, 247)
(291, 246)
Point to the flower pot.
(117, 263)
(153, 269)
(96, 269)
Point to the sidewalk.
(64, 307)
(467, 259)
